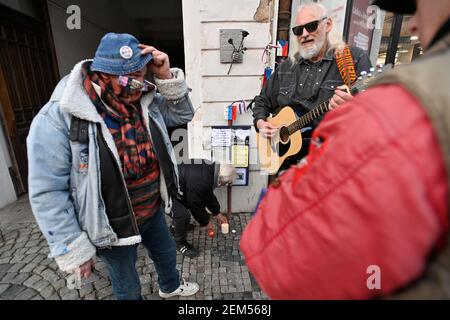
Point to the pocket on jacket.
(331, 84)
(287, 91)
(75, 200)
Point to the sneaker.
(185, 289)
(186, 249)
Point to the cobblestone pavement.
(27, 274)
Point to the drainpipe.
(284, 19)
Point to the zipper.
(130, 207)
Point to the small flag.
(267, 74)
(228, 115)
(283, 48)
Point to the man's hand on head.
(160, 64)
(340, 97)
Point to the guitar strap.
(346, 67)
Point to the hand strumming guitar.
(266, 129)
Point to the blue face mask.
(136, 85)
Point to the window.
(400, 45)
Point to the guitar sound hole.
(284, 134)
(282, 149)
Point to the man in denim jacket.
(101, 165)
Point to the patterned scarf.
(123, 117)
(121, 111)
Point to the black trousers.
(181, 218)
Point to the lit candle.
(225, 228)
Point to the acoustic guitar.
(287, 141)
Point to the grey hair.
(334, 42)
(227, 174)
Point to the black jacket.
(197, 182)
(304, 85)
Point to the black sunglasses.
(310, 27)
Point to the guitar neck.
(322, 108)
(312, 115)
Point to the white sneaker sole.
(181, 293)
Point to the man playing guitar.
(310, 77)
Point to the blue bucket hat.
(119, 54)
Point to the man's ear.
(329, 24)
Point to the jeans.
(121, 261)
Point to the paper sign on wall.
(239, 155)
(232, 145)
(221, 137)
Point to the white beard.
(313, 50)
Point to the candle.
(225, 228)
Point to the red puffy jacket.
(372, 193)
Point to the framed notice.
(241, 177)
(231, 145)
(239, 155)
(221, 137)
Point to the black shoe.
(187, 250)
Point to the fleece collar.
(75, 101)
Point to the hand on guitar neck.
(341, 96)
(266, 129)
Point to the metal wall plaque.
(226, 49)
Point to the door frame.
(7, 119)
(8, 123)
